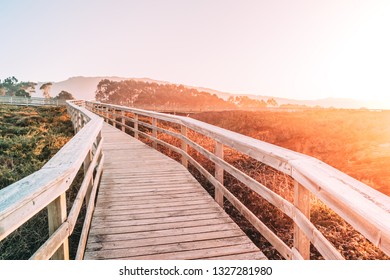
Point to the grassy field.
(29, 137)
(355, 142)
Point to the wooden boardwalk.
(150, 207)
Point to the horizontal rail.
(47, 187)
(366, 209)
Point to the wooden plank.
(243, 256)
(113, 203)
(201, 253)
(157, 205)
(142, 216)
(169, 248)
(186, 196)
(128, 212)
(160, 226)
(154, 241)
(156, 221)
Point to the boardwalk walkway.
(150, 207)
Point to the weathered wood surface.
(150, 207)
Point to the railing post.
(123, 121)
(87, 163)
(219, 173)
(113, 118)
(77, 121)
(106, 119)
(154, 132)
(302, 202)
(136, 126)
(56, 216)
(184, 160)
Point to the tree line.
(11, 86)
(170, 96)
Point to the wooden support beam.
(113, 118)
(123, 121)
(184, 160)
(154, 131)
(87, 163)
(302, 202)
(219, 173)
(56, 217)
(136, 126)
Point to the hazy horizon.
(297, 50)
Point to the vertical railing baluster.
(219, 173)
(183, 130)
(123, 121)
(87, 163)
(113, 117)
(154, 132)
(136, 126)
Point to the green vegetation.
(12, 87)
(64, 95)
(29, 137)
(173, 97)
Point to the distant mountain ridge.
(85, 88)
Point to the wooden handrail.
(366, 209)
(47, 187)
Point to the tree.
(64, 95)
(46, 89)
(272, 102)
(12, 87)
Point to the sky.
(301, 49)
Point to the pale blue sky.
(302, 49)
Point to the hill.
(85, 88)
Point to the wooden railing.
(31, 101)
(367, 210)
(47, 188)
